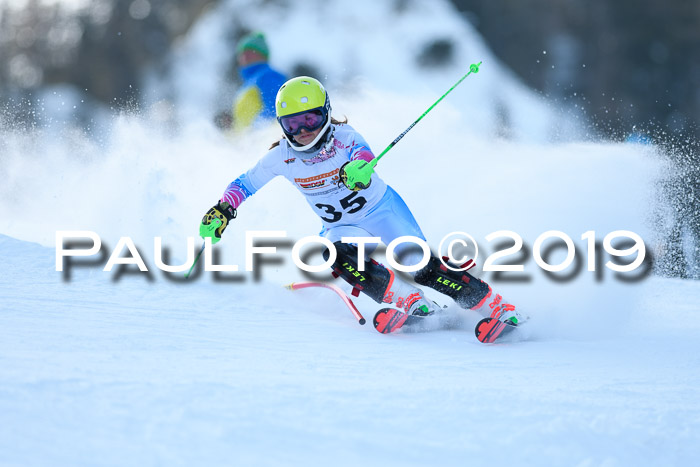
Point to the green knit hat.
(253, 41)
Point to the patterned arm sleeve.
(236, 192)
(360, 150)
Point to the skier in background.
(321, 157)
(254, 103)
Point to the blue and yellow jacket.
(255, 101)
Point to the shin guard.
(373, 281)
(462, 287)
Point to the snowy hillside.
(130, 368)
(371, 47)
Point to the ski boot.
(494, 306)
(468, 291)
(381, 285)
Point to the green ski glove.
(356, 175)
(216, 220)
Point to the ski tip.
(389, 320)
(489, 329)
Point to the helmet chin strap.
(329, 138)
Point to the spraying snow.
(135, 368)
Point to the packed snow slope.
(135, 368)
(132, 368)
(103, 372)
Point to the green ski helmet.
(305, 96)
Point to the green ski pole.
(195, 260)
(205, 231)
(363, 173)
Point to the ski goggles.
(310, 120)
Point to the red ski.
(389, 320)
(489, 329)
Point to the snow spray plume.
(364, 172)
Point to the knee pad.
(462, 287)
(373, 281)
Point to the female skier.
(322, 157)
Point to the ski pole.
(348, 302)
(364, 172)
(473, 68)
(187, 275)
(209, 228)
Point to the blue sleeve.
(269, 83)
